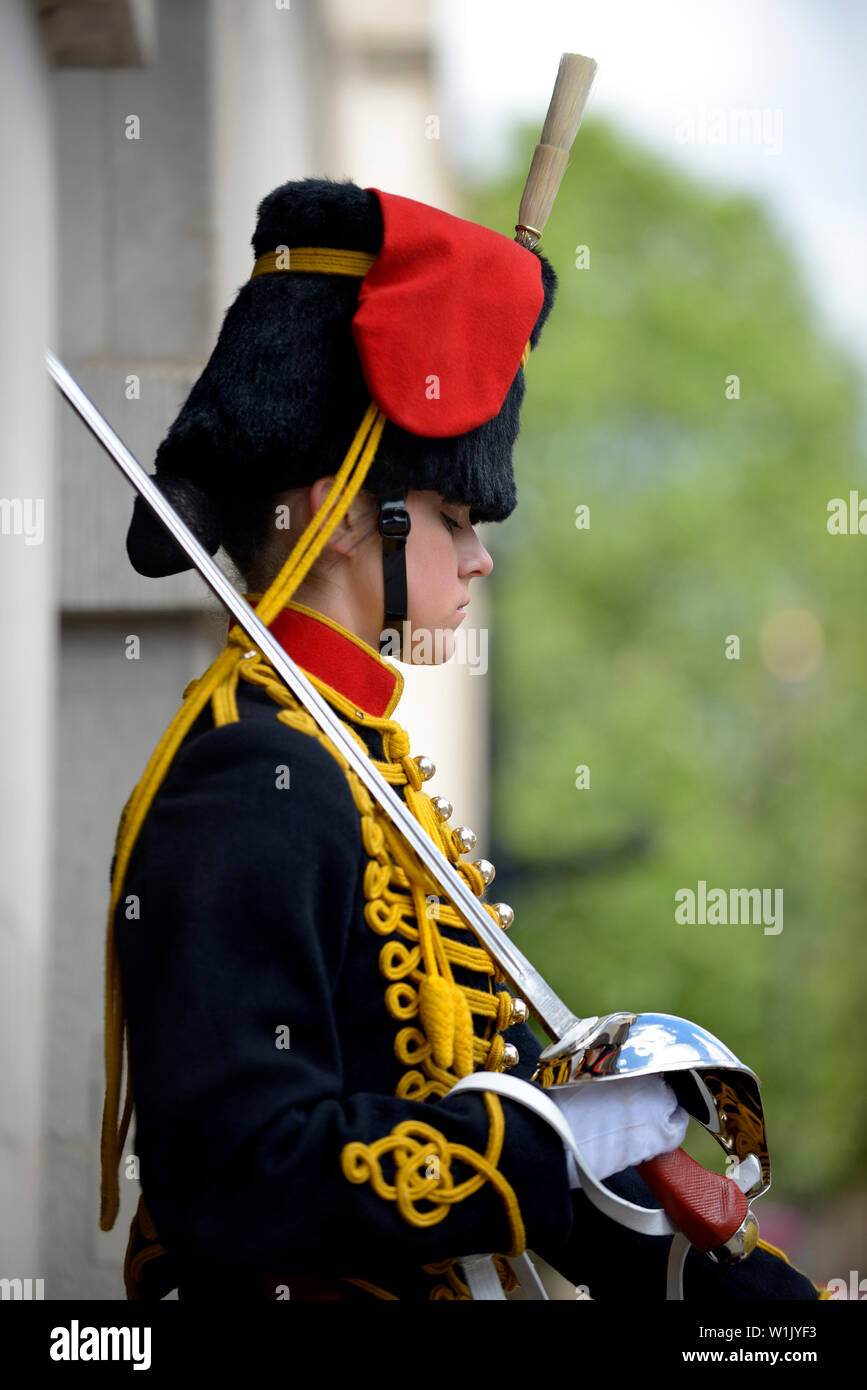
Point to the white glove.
(617, 1124)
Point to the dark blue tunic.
(251, 930)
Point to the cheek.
(430, 573)
(432, 551)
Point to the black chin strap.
(394, 527)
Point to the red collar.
(336, 657)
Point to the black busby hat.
(430, 298)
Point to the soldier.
(297, 998)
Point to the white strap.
(484, 1282)
(481, 1277)
(646, 1221)
(479, 1269)
(676, 1260)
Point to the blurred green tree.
(708, 518)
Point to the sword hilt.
(707, 1207)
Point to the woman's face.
(443, 554)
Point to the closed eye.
(456, 525)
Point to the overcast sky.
(801, 63)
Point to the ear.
(343, 536)
(316, 495)
(318, 492)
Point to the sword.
(715, 1087)
(552, 1013)
(711, 1084)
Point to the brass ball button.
(486, 869)
(465, 838)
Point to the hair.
(248, 533)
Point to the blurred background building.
(139, 138)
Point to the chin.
(430, 646)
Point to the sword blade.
(522, 976)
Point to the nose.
(478, 560)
